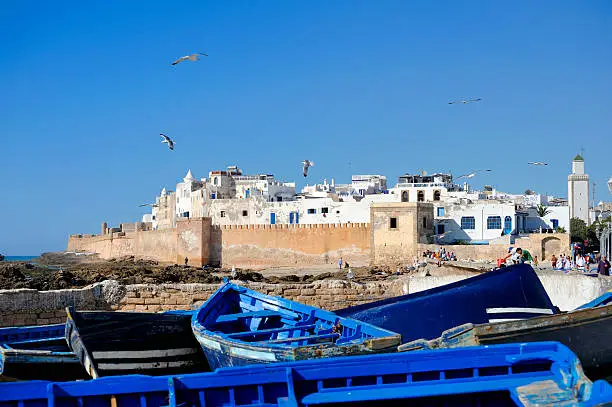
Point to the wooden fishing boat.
(507, 293)
(119, 343)
(36, 353)
(238, 326)
(527, 375)
(587, 332)
(603, 299)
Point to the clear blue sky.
(87, 86)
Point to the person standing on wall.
(603, 268)
(340, 263)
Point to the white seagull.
(192, 57)
(470, 175)
(167, 140)
(465, 101)
(537, 163)
(307, 164)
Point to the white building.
(184, 195)
(578, 191)
(479, 221)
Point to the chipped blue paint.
(544, 374)
(237, 326)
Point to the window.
(392, 223)
(311, 211)
(555, 223)
(468, 222)
(494, 222)
(153, 217)
(440, 228)
(421, 196)
(279, 199)
(404, 196)
(223, 214)
(337, 211)
(424, 222)
(324, 210)
(245, 213)
(215, 181)
(436, 195)
(441, 211)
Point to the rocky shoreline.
(53, 271)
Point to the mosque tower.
(578, 190)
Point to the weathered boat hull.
(37, 353)
(542, 374)
(238, 327)
(587, 332)
(513, 292)
(119, 343)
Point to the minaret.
(578, 190)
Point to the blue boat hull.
(539, 374)
(237, 326)
(37, 353)
(513, 292)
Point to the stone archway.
(551, 245)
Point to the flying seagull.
(192, 57)
(470, 175)
(151, 205)
(167, 140)
(465, 101)
(307, 164)
(537, 163)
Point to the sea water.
(19, 258)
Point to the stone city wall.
(543, 245)
(30, 307)
(249, 246)
(261, 246)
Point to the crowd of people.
(440, 255)
(586, 263)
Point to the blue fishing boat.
(238, 326)
(585, 331)
(600, 301)
(37, 352)
(513, 292)
(529, 375)
(119, 343)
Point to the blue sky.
(355, 86)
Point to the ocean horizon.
(19, 258)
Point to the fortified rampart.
(397, 232)
(30, 307)
(291, 245)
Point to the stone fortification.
(260, 246)
(543, 245)
(31, 307)
(252, 246)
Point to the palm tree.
(543, 210)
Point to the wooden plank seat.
(271, 331)
(302, 338)
(251, 314)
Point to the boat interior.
(244, 315)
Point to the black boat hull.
(120, 343)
